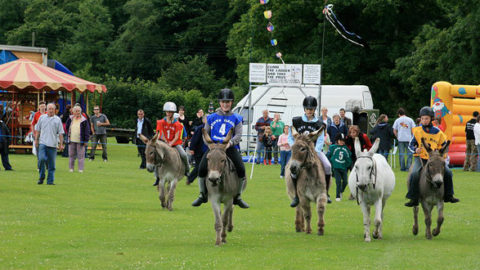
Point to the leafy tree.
(11, 16)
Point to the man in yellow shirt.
(436, 138)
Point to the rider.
(309, 123)
(170, 130)
(437, 139)
(218, 125)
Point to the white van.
(287, 101)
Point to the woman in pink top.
(285, 151)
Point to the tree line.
(149, 51)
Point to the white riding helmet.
(169, 107)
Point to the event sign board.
(284, 74)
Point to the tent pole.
(101, 102)
(43, 95)
(86, 102)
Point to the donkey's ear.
(314, 135)
(155, 137)
(444, 149)
(426, 145)
(143, 138)
(206, 138)
(358, 148)
(229, 136)
(375, 146)
(294, 132)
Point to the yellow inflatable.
(455, 104)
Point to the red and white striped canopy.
(24, 74)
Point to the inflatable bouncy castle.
(455, 104)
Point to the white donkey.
(371, 181)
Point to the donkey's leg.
(377, 233)
(366, 221)
(217, 212)
(427, 211)
(227, 209)
(436, 231)
(299, 224)
(321, 203)
(161, 188)
(307, 215)
(171, 194)
(415, 220)
(230, 221)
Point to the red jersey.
(169, 130)
(36, 116)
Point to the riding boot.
(238, 199)
(156, 181)
(412, 193)
(203, 197)
(327, 179)
(448, 188)
(295, 200)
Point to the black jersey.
(303, 127)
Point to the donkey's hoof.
(415, 230)
(367, 239)
(320, 232)
(435, 232)
(230, 228)
(428, 236)
(298, 230)
(375, 235)
(224, 240)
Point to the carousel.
(25, 83)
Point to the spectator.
(142, 126)
(324, 118)
(336, 127)
(2, 113)
(437, 122)
(285, 150)
(354, 132)
(267, 140)
(78, 132)
(344, 119)
(41, 111)
(182, 118)
(402, 128)
(476, 132)
(49, 131)
(65, 116)
(340, 158)
(197, 149)
(98, 122)
(471, 151)
(262, 122)
(4, 143)
(277, 129)
(198, 121)
(417, 122)
(384, 131)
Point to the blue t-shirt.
(220, 125)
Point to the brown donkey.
(222, 186)
(167, 164)
(306, 168)
(431, 189)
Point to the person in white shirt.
(402, 128)
(476, 132)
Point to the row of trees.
(149, 51)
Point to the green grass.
(110, 217)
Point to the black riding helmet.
(226, 94)
(310, 103)
(427, 111)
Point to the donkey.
(307, 170)
(431, 189)
(222, 185)
(371, 181)
(167, 164)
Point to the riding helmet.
(226, 94)
(426, 111)
(310, 102)
(169, 107)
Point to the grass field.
(110, 217)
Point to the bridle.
(373, 174)
(157, 160)
(222, 175)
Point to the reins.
(373, 175)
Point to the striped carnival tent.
(24, 74)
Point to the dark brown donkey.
(307, 169)
(431, 189)
(222, 185)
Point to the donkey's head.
(435, 167)
(216, 157)
(153, 155)
(303, 151)
(365, 167)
